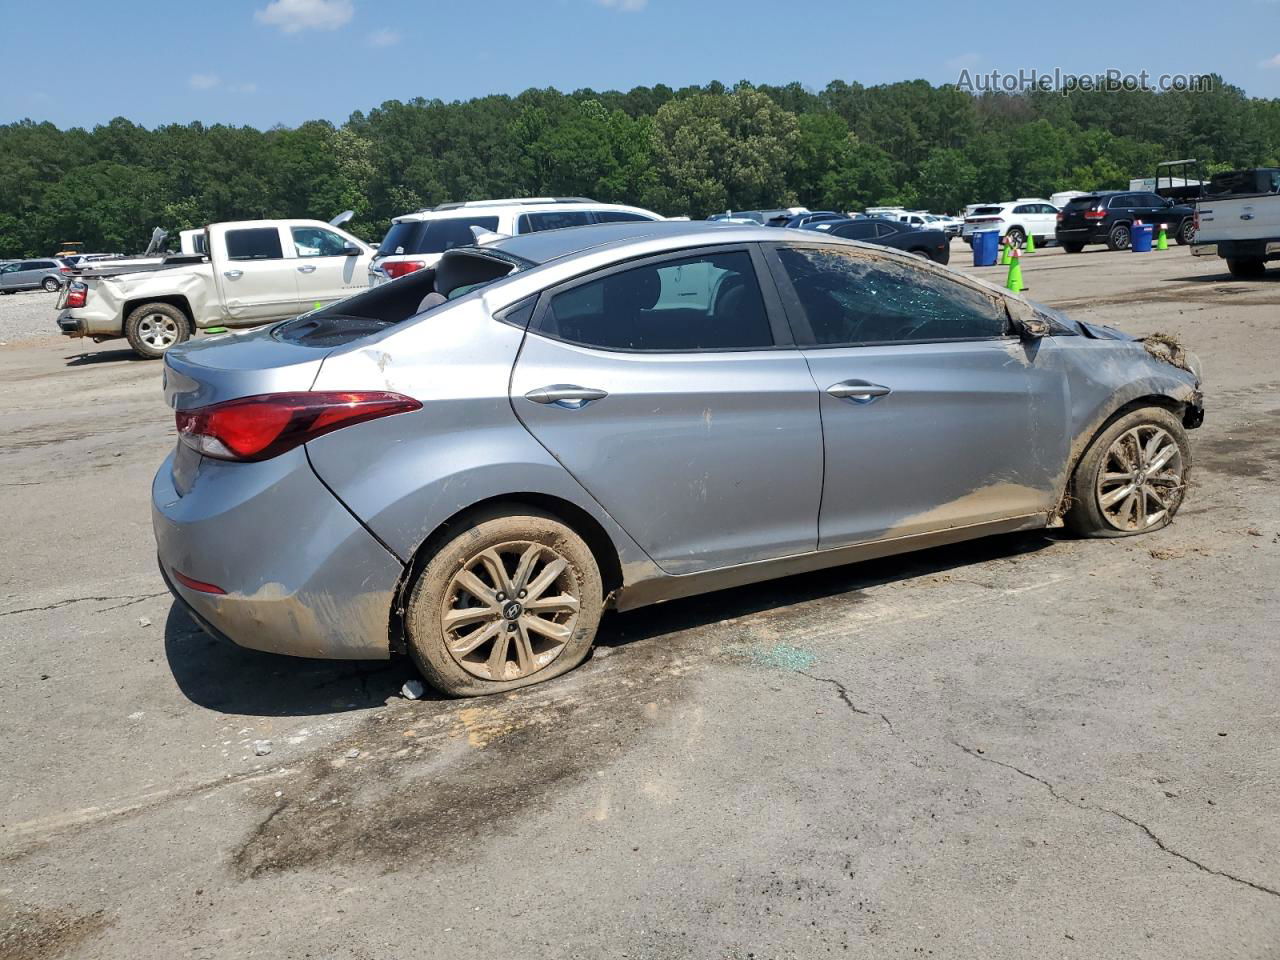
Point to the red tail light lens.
(265, 426)
(400, 268)
(1097, 213)
(77, 294)
(1059, 216)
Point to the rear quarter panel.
(405, 475)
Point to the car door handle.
(233, 274)
(566, 395)
(1246, 216)
(309, 268)
(859, 391)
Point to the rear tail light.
(1097, 213)
(77, 294)
(64, 269)
(1195, 221)
(265, 426)
(400, 268)
(1059, 216)
(191, 583)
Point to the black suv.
(1107, 215)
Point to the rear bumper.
(69, 325)
(1080, 235)
(301, 576)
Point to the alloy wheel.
(1141, 479)
(510, 610)
(157, 331)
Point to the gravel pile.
(27, 315)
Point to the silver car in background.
(48, 273)
(469, 464)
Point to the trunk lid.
(214, 369)
(1073, 212)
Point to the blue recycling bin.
(986, 246)
(1140, 237)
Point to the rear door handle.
(233, 274)
(566, 395)
(309, 268)
(859, 391)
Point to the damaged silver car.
(470, 464)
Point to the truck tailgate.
(1239, 218)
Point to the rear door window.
(256, 243)
(850, 299)
(1122, 201)
(552, 220)
(860, 230)
(707, 302)
(433, 236)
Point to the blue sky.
(263, 62)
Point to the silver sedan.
(470, 464)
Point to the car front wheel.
(511, 599)
(1133, 477)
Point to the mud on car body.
(472, 462)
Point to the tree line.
(694, 151)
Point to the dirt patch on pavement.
(34, 933)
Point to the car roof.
(471, 211)
(547, 245)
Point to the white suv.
(417, 240)
(1014, 219)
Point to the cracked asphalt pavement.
(1027, 746)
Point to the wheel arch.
(1179, 408)
(573, 516)
(172, 299)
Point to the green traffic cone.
(1162, 241)
(1031, 244)
(1003, 259)
(1014, 282)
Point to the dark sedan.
(933, 245)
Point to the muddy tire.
(511, 599)
(1073, 247)
(153, 328)
(1132, 478)
(1247, 269)
(1118, 238)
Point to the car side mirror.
(1033, 328)
(351, 250)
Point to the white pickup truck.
(1239, 220)
(252, 272)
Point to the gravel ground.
(26, 315)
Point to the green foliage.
(691, 151)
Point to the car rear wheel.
(51, 285)
(1247, 269)
(508, 601)
(1073, 247)
(1118, 238)
(1133, 477)
(1016, 236)
(153, 328)
(1186, 232)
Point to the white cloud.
(293, 16)
(625, 6)
(1273, 63)
(204, 81)
(383, 38)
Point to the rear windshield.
(1080, 203)
(985, 211)
(433, 236)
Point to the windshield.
(433, 236)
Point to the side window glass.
(696, 303)
(618, 216)
(554, 220)
(257, 243)
(316, 242)
(851, 299)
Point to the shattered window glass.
(851, 299)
